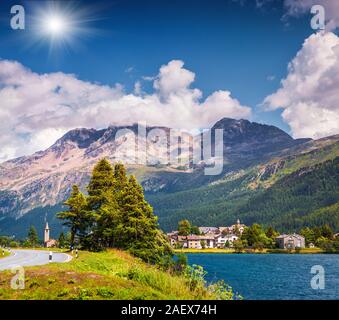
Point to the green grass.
(6, 253)
(112, 274)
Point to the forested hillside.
(308, 196)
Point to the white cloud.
(299, 7)
(36, 109)
(309, 94)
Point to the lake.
(272, 276)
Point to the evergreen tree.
(195, 230)
(102, 181)
(62, 240)
(308, 233)
(327, 232)
(271, 233)
(77, 218)
(120, 179)
(140, 232)
(108, 221)
(33, 236)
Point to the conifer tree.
(33, 236)
(77, 218)
(141, 233)
(102, 181)
(103, 205)
(108, 221)
(120, 178)
(62, 240)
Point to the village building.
(290, 241)
(223, 239)
(49, 243)
(209, 230)
(211, 237)
(182, 241)
(198, 242)
(237, 228)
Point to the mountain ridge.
(44, 179)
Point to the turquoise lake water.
(272, 276)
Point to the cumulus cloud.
(309, 94)
(36, 109)
(299, 7)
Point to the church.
(48, 243)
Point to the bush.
(180, 264)
(223, 291)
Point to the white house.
(222, 239)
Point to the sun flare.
(61, 25)
(55, 25)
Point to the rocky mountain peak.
(244, 131)
(82, 137)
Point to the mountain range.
(267, 177)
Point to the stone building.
(290, 241)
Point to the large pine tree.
(101, 183)
(33, 236)
(141, 234)
(77, 217)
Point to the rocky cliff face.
(45, 178)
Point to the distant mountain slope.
(282, 193)
(256, 159)
(295, 196)
(45, 178)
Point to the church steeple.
(46, 235)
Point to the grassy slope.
(107, 275)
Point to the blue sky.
(228, 45)
(241, 48)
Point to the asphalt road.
(31, 258)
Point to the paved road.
(31, 258)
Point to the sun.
(61, 25)
(55, 25)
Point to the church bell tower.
(46, 235)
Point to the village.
(224, 237)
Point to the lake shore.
(251, 251)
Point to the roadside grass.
(112, 274)
(4, 253)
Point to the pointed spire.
(46, 228)
(238, 222)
